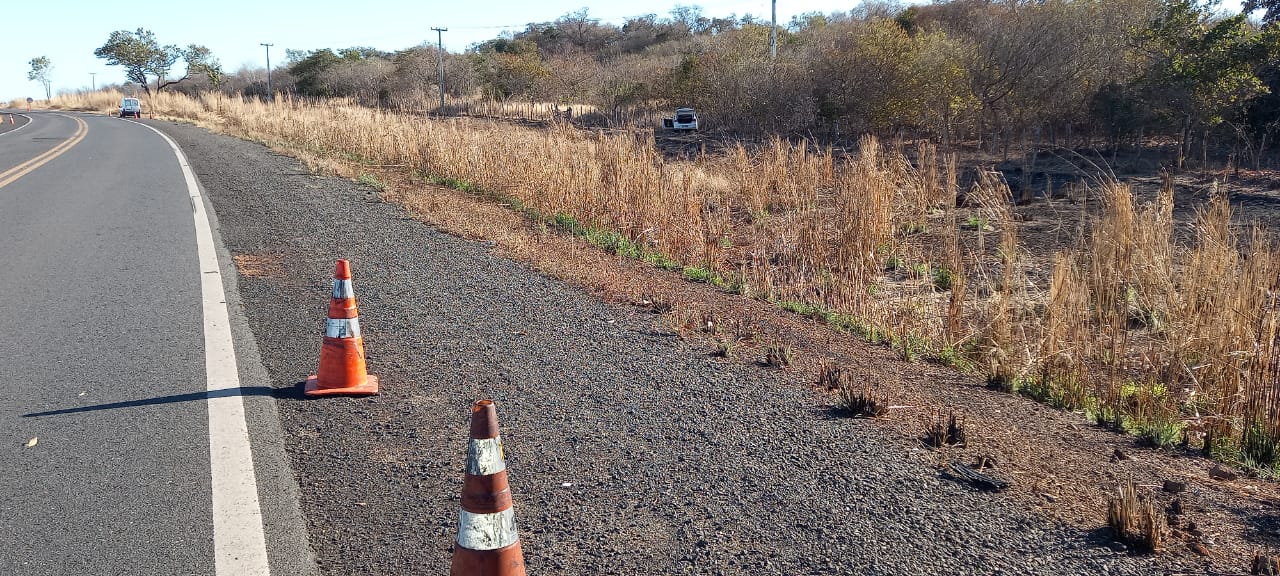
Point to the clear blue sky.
(68, 31)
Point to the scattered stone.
(1220, 473)
(1174, 486)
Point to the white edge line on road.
(22, 126)
(239, 543)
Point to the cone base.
(369, 388)
(507, 561)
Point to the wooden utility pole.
(773, 34)
(440, 56)
(270, 95)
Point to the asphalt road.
(105, 418)
(13, 121)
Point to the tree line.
(998, 74)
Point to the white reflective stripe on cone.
(487, 531)
(484, 457)
(342, 290)
(342, 328)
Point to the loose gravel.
(630, 452)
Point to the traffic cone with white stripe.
(487, 543)
(342, 368)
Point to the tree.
(310, 71)
(41, 67)
(1204, 70)
(508, 68)
(142, 57)
(1270, 8)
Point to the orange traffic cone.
(342, 369)
(487, 543)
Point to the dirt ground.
(1059, 464)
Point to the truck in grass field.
(685, 119)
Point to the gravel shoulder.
(631, 450)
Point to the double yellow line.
(8, 176)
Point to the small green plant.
(942, 278)
(1110, 417)
(956, 358)
(697, 274)
(894, 263)
(920, 270)
(802, 308)
(726, 348)
(1160, 432)
(1258, 449)
(372, 181)
(975, 222)
(1061, 392)
(454, 183)
(661, 260)
(909, 347)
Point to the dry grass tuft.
(1135, 520)
(944, 431)
(1264, 565)
(778, 354)
(858, 399)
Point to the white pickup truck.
(685, 119)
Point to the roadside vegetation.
(878, 222)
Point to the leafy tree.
(142, 57)
(309, 71)
(1270, 8)
(41, 67)
(509, 68)
(1204, 70)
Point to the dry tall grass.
(1160, 339)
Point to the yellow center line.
(8, 176)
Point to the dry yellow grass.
(1130, 327)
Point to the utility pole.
(270, 95)
(773, 34)
(93, 79)
(440, 56)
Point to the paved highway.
(137, 434)
(13, 121)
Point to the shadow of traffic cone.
(342, 370)
(487, 543)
